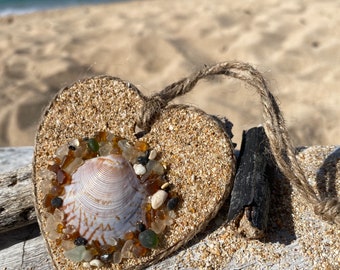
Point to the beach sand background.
(296, 44)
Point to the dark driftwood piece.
(250, 196)
(16, 199)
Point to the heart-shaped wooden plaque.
(194, 146)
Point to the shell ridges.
(102, 188)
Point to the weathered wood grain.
(24, 248)
(12, 158)
(16, 199)
(21, 245)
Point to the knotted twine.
(274, 125)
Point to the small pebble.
(93, 145)
(140, 134)
(158, 198)
(141, 226)
(80, 241)
(57, 202)
(142, 160)
(117, 257)
(148, 239)
(74, 143)
(139, 251)
(106, 257)
(155, 166)
(58, 215)
(105, 149)
(110, 136)
(153, 154)
(79, 152)
(69, 229)
(87, 255)
(71, 147)
(172, 203)
(73, 165)
(165, 186)
(112, 241)
(96, 263)
(124, 145)
(75, 254)
(62, 151)
(126, 249)
(139, 169)
(158, 226)
(67, 244)
(141, 146)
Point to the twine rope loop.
(274, 124)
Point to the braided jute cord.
(274, 124)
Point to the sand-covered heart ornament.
(108, 197)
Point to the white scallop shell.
(104, 199)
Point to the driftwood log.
(16, 201)
(21, 246)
